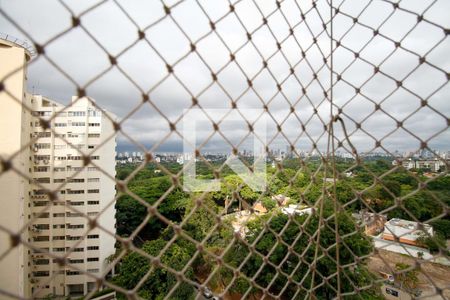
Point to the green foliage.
(134, 267)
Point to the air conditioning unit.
(36, 161)
(46, 161)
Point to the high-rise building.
(67, 183)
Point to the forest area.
(281, 255)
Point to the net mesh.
(344, 84)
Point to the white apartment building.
(54, 159)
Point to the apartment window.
(75, 135)
(60, 124)
(93, 202)
(76, 113)
(93, 191)
(91, 146)
(73, 215)
(69, 168)
(42, 180)
(75, 203)
(71, 192)
(78, 124)
(92, 236)
(59, 249)
(43, 134)
(59, 169)
(58, 215)
(93, 169)
(95, 157)
(77, 226)
(75, 157)
(60, 135)
(70, 273)
(92, 213)
(41, 113)
(41, 262)
(41, 169)
(42, 226)
(94, 113)
(56, 147)
(94, 124)
(41, 239)
(74, 238)
(40, 203)
(78, 250)
(94, 135)
(76, 261)
(60, 158)
(43, 215)
(41, 157)
(92, 259)
(41, 273)
(92, 247)
(56, 226)
(59, 238)
(59, 180)
(42, 145)
(75, 180)
(93, 180)
(93, 270)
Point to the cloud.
(84, 56)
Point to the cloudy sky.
(295, 101)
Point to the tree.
(407, 279)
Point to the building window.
(78, 250)
(92, 247)
(58, 180)
(94, 135)
(74, 238)
(76, 113)
(93, 191)
(92, 213)
(94, 124)
(92, 236)
(78, 124)
(41, 226)
(77, 226)
(40, 262)
(70, 273)
(74, 215)
(56, 226)
(95, 157)
(43, 134)
(59, 238)
(93, 270)
(71, 192)
(75, 180)
(75, 203)
(59, 249)
(60, 124)
(93, 180)
(41, 239)
(41, 215)
(41, 273)
(76, 261)
(40, 203)
(41, 169)
(58, 215)
(59, 169)
(93, 202)
(92, 259)
(93, 169)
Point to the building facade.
(68, 183)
